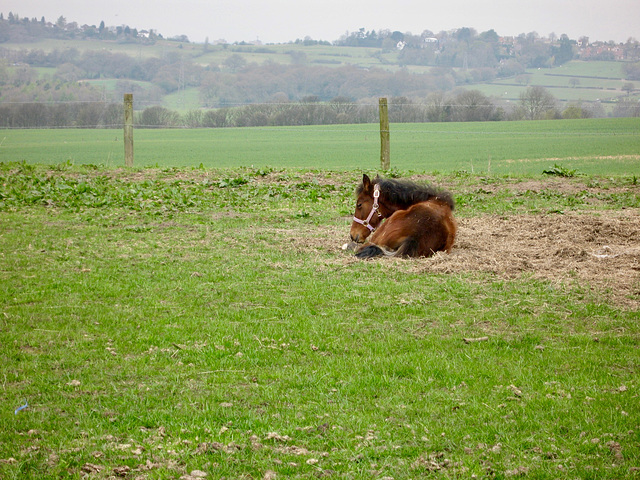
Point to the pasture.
(576, 81)
(592, 146)
(190, 317)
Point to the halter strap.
(374, 208)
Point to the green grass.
(597, 81)
(558, 87)
(603, 69)
(316, 54)
(160, 321)
(594, 146)
(216, 54)
(183, 101)
(158, 49)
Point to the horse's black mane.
(406, 193)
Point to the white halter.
(374, 208)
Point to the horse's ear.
(366, 182)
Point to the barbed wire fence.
(150, 114)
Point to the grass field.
(595, 81)
(163, 322)
(594, 146)
(217, 54)
(133, 49)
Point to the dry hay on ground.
(600, 251)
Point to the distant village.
(508, 45)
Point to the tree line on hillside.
(16, 29)
(235, 82)
(460, 106)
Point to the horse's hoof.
(370, 251)
(349, 246)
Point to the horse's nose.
(355, 237)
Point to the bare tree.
(158, 117)
(627, 107)
(437, 108)
(473, 106)
(537, 103)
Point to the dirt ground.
(596, 251)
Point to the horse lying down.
(402, 218)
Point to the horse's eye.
(359, 205)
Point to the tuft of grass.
(560, 171)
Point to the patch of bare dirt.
(600, 251)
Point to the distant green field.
(134, 49)
(574, 81)
(595, 146)
(183, 100)
(315, 54)
(216, 54)
(562, 93)
(592, 68)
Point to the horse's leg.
(438, 229)
(410, 247)
(381, 242)
(370, 251)
(451, 228)
(398, 236)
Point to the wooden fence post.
(128, 129)
(385, 154)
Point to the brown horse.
(403, 218)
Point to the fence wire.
(109, 115)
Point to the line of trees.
(237, 84)
(461, 106)
(61, 115)
(233, 82)
(73, 65)
(18, 29)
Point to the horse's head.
(367, 216)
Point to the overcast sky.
(279, 21)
